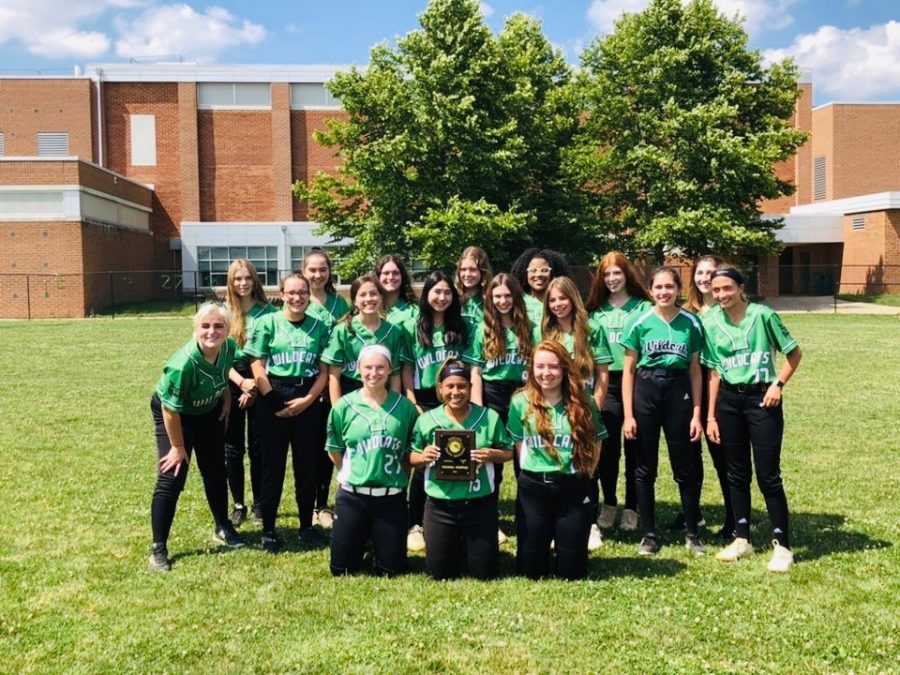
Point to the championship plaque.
(455, 462)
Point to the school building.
(129, 182)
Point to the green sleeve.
(696, 337)
(474, 355)
(631, 337)
(257, 345)
(500, 438)
(334, 353)
(602, 433)
(411, 417)
(708, 354)
(421, 433)
(516, 413)
(600, 345)
(409, 339)
(341, 307)
(778, 334)
(334, 440)
(172, 387)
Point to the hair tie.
(730, 273)
(380, 350)
(453, 370)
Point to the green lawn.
(76, 596)
(887, 299)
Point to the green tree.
(683, 127)
(453, 138)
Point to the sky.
(851, 47)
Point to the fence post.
(112, 296)
(28, 294)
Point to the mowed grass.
(76, 596)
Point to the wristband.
(275, 400)
(779, 384)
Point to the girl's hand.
(482, 455)
(629, 427)
(431, 453)
(174, 459)
(772, 397)
(248, 385)
(696, 428)
(246, 400)
(712, 430)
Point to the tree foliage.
(455, 137)
(683, 128)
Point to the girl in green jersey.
(400, 302)
(745, 407)
(461, 515)
(439, 333)
(190, 411)
(557, 430)
(362, 326)
(246, 301)
(286, 347)
(617, 293)
(369, 434)
(534, 269)
(326, 304)
(661, 391)
(473, 274)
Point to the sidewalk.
(826, 304)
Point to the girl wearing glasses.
(534, 270)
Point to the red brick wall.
(797, 168)
(29, 106)
(823, 146)
(872, 255)
(235, 159)
(866, 149)
(307, 156)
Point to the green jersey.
(288, 350)
(373, 441)
(335, 308)
(664, 345)
(533, 455)
(401, 312)
(612, 321)
(534, 308)
(190, 384)
(745, 353)
(473, 312)
(250, 318)
(344, 346)
(489, 433)
(511, 367)
(426, 361)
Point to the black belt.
(549, 477)
(662, 372)
(461, 502)
(754, 388)
(291, 381)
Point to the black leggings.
(496, 396)
(457, 529)
(742, 423)
(426, 399)
(662, 400)
(203, 435)
(608, 467)
(359, 518)
(242, 423)
(552, 507)
(301, 433)
(718, 458)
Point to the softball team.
(367, 385)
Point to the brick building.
(108, 175)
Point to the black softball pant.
(204, 435)
(427, 400)
(458, 528)
(610, 455)
(553, 507)
(242, 423)
(744, 423)
(662, 401)
(301, 433)
(497, 396)
(361, 518)
(718, 457)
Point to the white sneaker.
(736, 550)
(607, 516)
(415, 540)
(501, 536)
(315, 518)
(629, 520)
(595, 541)
(782, 558)
(325, 519)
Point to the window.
(143, 140)
(313, 95)
(213, 262)
(819, 191)
(234, 95)
(2, 145)
(336, 253)
(859, 222)
(52, 144)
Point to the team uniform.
(500, 376)
(553, 502)
(401, 312)
(371, 500)
(243, 422)
(425, 362)
(462, 515)
(534, 308)
(193, 388)
(473, 312)
(612, 321)
(662, 400)
(597, 344)
(744, 357)
(346, 343)
(334, 308)
(291, 352)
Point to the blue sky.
(852, 47)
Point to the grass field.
(76, 596)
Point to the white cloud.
(64, 42)
(850, 64)
(52, 28)
(486, 10)
(758, 15)
(180, 29)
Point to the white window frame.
(234, 105)
(332, 102)
(266, 266)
